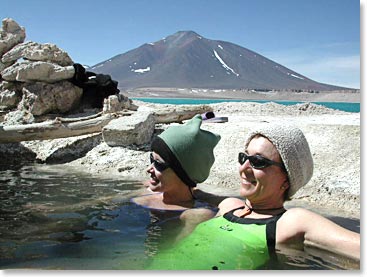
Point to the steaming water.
(51, 218)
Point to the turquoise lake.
(342, 106)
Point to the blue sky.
(316, 38)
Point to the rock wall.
(33, 77)
(38, 79)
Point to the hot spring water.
(56, 219)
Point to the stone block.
(128, 130)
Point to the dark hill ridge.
(188, 60)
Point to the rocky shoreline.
(334, 138)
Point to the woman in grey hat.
(275, 163)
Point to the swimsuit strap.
(235, 209)
(270, 223)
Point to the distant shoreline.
(337, 96)
(231, 99)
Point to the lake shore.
(323, 96)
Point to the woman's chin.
(244, 192)
(154, 186)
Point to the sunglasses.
(257, 161)
(160, 166)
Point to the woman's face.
(265, 184)
(160, 180)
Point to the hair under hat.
(293, 149)
(188, 150)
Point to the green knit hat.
(188, 150)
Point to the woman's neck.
(264, 205)
(260, 209)
(184, 199)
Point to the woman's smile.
(246, 182)
(154, 181)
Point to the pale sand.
(334, 139)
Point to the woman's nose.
(150, 168)
(245, 165)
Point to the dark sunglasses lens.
(258, 162)
(242, 158)
(151, 158)
(255, 161)
(159, 166)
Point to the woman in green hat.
(181, 157)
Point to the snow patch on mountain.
(224, 64)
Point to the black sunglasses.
(160, 166)
(257, 161)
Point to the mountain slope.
(187, 60)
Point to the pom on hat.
(188, 149)
(293, 149)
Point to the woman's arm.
(191, 218)
(301, 225)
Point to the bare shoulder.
(147, 200)
(296, 216)
(229, 204)
(290, 227)
(294, 212)
(295, 223)
(197, 214)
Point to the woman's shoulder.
(146, 200)
(298, 211)
(295, 214)
(297, 220)
(229, 204)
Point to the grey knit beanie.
(293, 149)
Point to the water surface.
(56, 219)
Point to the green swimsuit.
(225, 242)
